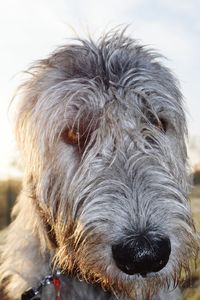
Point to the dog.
(103, 212)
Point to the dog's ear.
(42, 100)
(35, 104)
(43, 79)
(40, 77)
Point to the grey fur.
(128, 176)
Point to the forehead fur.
(114, 60)
(87, 75)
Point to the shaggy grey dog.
(102, 130)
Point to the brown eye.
(162, 125)
(70, 137)
(158, 123)
(76, 138)
(79, 134)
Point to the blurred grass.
(193, 291)
(8, 192)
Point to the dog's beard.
(88, 259)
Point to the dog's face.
(102, 130)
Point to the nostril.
(143, 254)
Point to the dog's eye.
(71, 137)
(161, 124)
(76, 138)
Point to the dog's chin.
(133, 286)
(110, 278)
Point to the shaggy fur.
(101, 129)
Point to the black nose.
(142, 254)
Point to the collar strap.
(35, 293)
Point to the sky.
(31, 29)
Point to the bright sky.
(30, 29)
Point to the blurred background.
(31, 29)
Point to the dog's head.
(102, 129)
